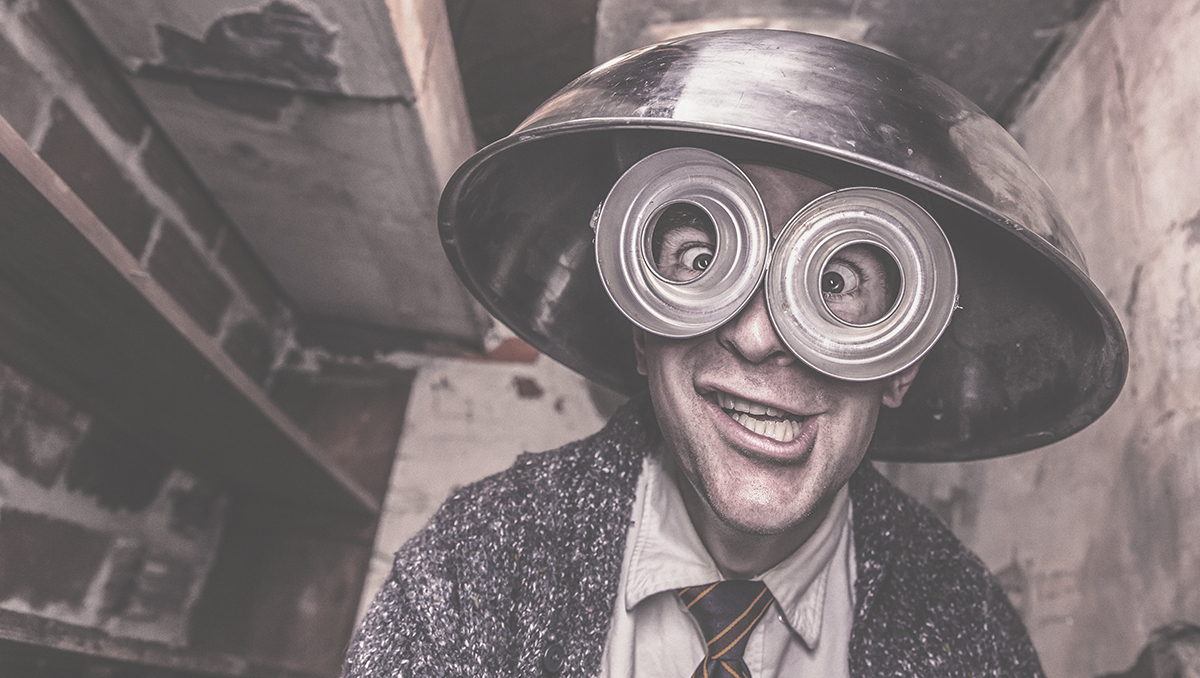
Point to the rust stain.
(513, 351)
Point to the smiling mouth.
(762, 419)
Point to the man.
(790, 224)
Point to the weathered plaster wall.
(467, 420)
(1097, 538)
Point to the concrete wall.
(1097, 538)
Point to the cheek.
(668, 376)
(667, 361)
(652, 361)
(850, 431)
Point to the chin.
(762, 518)
(751, 525)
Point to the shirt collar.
(668, 554)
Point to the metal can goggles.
(859, 283)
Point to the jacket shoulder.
(925, 603)
(497, 554)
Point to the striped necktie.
(726, 612)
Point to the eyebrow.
(675, 217)
(862, 274)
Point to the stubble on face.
(752, 498)
(755, 498)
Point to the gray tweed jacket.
(516, 576)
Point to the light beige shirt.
(806, 633)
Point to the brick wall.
(97, 529)
(69, 102)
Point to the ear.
(639, 349)
(896, 386)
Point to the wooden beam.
(79, 315)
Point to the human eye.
(697, 257)
(840, 278)
(855, 284)
(683, 257)
(683, 243)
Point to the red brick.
(76, 156)
(14, 391)
(162, 588)
(513, 350)
(250, 347)
(119, 472)
(177, 266)
(127, 560)
(256, 282)
(169, 170)
(64, 32)
(194, 508)
(45, 560)
(355, 413)
(24, 90)
(38, 429)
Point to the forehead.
(783, 191)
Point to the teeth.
(788, 431)
(729, 402)
(783, 428)
(785, 431)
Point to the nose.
(751, 336)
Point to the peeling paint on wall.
(528, 388)
(281, 44)
(258, 102)
(309, 35)
(252, 62)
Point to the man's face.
(764, 440)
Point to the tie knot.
(726, 612)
